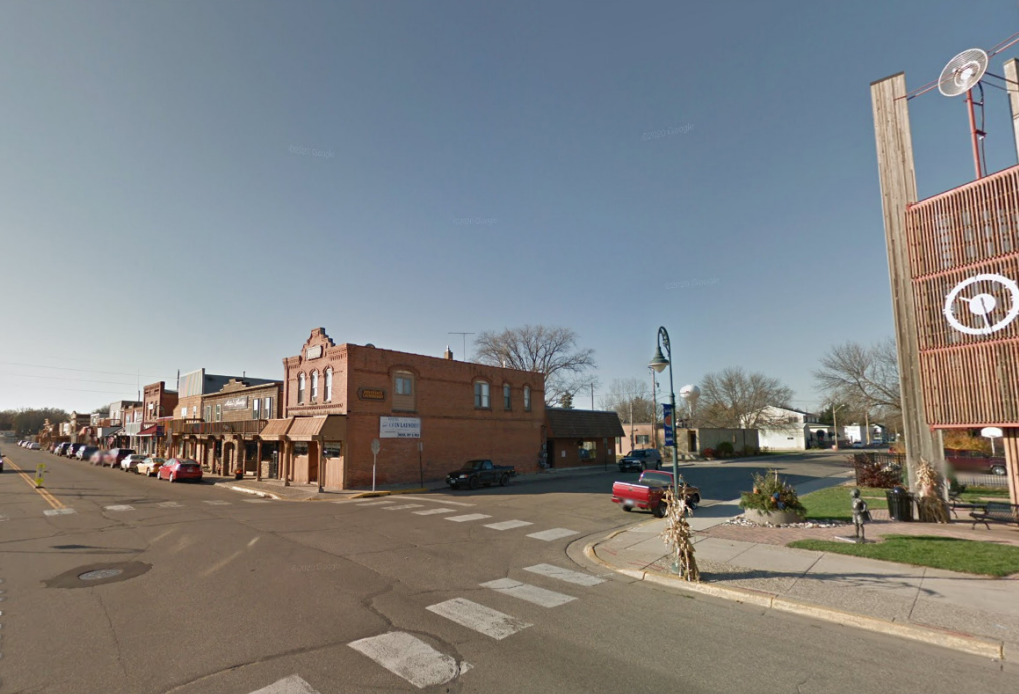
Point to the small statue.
(860, 514)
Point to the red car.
(649, 493)
(180, 469)
(974, 461)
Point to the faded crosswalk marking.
(169, 504)
(256, 501)
(368, 503)
(468, 517)
(534, 594)
(479, 618)
(410, 658)
(553, 534)
(119, 507)
(401, 507)
(59, 511)
(508, 525)
(217, 502)
(288, 685)
(433, 511)
(581, 579)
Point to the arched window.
(329, 384)
(527, 398)
(314, 386)
(300, 389)
(481, 395)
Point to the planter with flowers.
(772, 501)
(238, 474)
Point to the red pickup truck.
(649, 492)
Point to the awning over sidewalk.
(154, 430)
(276, 428)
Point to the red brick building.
(430, 415)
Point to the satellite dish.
(690, 393)
(963, 72)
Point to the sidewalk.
(975, 614)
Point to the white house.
(856, 433)
(793, 430)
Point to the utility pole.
(632, 445)
(592, 397)
(464, 335)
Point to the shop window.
(481, 395)
(329, 384)
(506, 400)
(300, 448)
(314, 386)
(332, 449)
(300, 389)
(527, 398)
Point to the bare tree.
(549, 350)
(868, 377)
(629, 395)
(735, 399)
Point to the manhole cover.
(100, 574)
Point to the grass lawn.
(834, 503)
(967, 556)
(976, 494)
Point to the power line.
(68, 368)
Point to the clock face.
(982, 304)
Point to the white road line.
(539, 596)
(59, 511)
(433, 511)
(119, 507)
(217, 502)
(256, 501)
(401, 507)
(410, 658)
(169, 504)
(439, 499)
(468, 517)
(553, 534)
(581, 579)
(369, 503)
(508, 525)
(288, 685)
(479, 618)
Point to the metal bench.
(997, 512)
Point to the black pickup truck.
(480, 472)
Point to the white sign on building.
(399, 427)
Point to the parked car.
(641, 459)
(180, 469)
(858, 444)
(476, 473)
(33, 446)
(97, 457)
(61, 449)
(149, 466)
(974, 462)
(85, 452)
(648, 493)
(130, 461)
(116, 455)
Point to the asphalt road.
(222, 594)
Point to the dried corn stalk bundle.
(677, 536)
(930, 505)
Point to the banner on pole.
(668, 417)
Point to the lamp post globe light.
(658, 363)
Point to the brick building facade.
(430, 414)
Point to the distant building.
(793, 430)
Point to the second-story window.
(256, 409)
(527, 398)
(506, 396)
(208, 413)
(314, 386)
(267, 408)
(300, 389)
(481, 395)
(404, 385)
(219, 413)
(329, 384)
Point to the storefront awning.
(154, 430)
(275, 428)
(306, 428)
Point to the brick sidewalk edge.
(958, 641)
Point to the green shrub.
(724, 449)
(771, 494)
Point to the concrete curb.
(254, 491)
(958, 641)
(369, 495)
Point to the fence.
(974, 480)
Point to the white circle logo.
(982, 305)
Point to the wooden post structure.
(258, 460)
(898, 190)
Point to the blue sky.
(189, 185)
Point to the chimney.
(448, 355)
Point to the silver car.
(130, 462)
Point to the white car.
(33, 446)
(131, 462)
(149, 466)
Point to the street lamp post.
(658, 363)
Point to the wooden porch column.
(244, 455)
(287, 447)
(258, 460)
(1011, 443)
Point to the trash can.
(900, 504)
